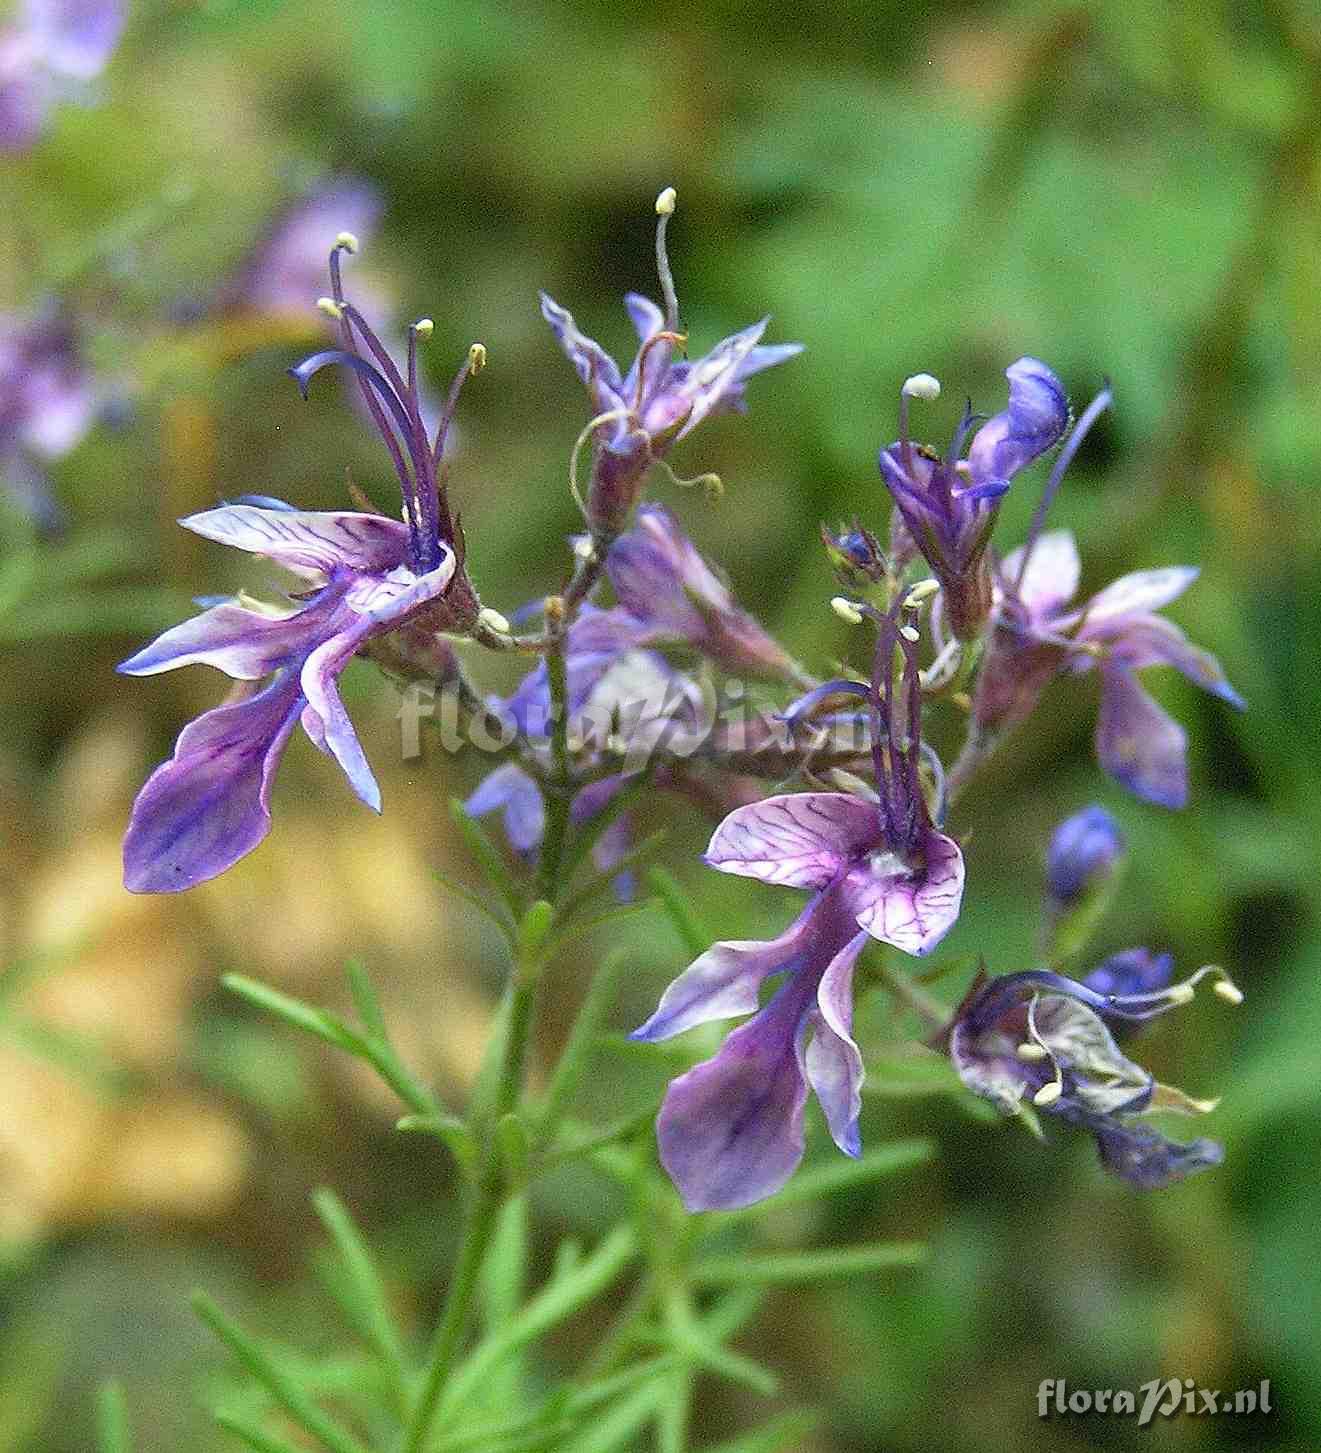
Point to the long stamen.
(665, 205)
(1053, 1088)
(922, 386)
(1090, 414)
(473, 363)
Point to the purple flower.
(208, 806)
(1039, 1039)
(55, 46)
(639, 415)
(1084, 851)
(47, 404)
(1129, 972)
(371, 577)
(662, 582)
(948, 506)
(731, 1130)
(1037, 634)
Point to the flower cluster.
(642, 637)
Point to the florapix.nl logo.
(1159, 1398)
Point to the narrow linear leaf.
(447, 1128)
(501, 919)
(364, 997)
(599, 882)
(615, 1427)
(572, 1064)
(692, 932)
(488, 858)
(278, 1383)
(803, 1266)
(255, 1437)
(112, 1429)
(365, 1296)
(293, 1011)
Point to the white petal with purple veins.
(832, 1061)
(307, 540)
(1144, 590)
(802, 839)
(909, 907)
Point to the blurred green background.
(1129, 190)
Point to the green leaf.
(614, 1428)
(501, 919)
(363, 1296)
(283, 1388)
(364, 998)
(582, 1039)
(447, 1128)
(112, 1430)
(692, 932)
(533, 931)
(792, 1267)
(511, 1136)
(254, 1437)
(488, 858)
(784, 1434)
(319, 1022)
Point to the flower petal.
(730, 1131)
(647, 318)
(909, 908)
(833, 1062)
(799, 839)
(1052, 575)
(1136, 594)
(726, 979)
(510, 788)
(307, 540)
(242, 643)
(1150, 640)
(76, 37)
(1149, 1160)
(1037, 415)
(590, 361)
(207, 807)
(1138, 743)
(709, 379)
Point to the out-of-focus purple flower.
(638, 416)
(208, 806)
(1039, 1039)
(731, 1130)
(52, 47)
(1085, 849)
(1130, 972)
(516, 795)
(948, 506)
(47, 404)
(1037, 634)
(663, 582)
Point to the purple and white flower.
(1037, 634)
(639, 415)
(730, 1130)
(948, 506)
(50, 53)
(1037, 1039)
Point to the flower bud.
(1084, 852)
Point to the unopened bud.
(1084, 852)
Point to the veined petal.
(207, 807)
(726, 979)
(1151, 640)
(832, 1061)
(1138, 743)
(710, 378)
(730, 1131)
(911, 908)
(1136, 594)
(1052, 575)
(1037, 415)
(590, 361)
(242, 643)
(799, 839)
(307, 540)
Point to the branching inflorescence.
(828, 785)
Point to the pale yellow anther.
(846, 610)
(924, 386)
(330, 308)
(347, 241)
(1032, 1053)
(911, 634)
(922, 591)
(666, 202)
(583, 548)
(477, 358)
(493, 621)
(1048, 1094)
(1228, 991)
(424, 327)
(1180, 993)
